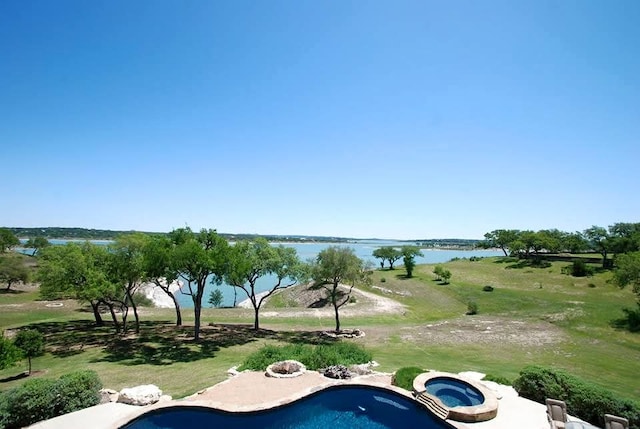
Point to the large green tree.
(387, 253)
(335, 266)
(199, 259)
(13, 270)
(31, 343)
(250, 261)
(80, 271)
(500, 238)
(7, 240)
(159, 268)
(600, 241)
(127, 269)
(36, 243)
(627, 271)
(409, 254)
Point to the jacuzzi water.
(341, 407)
(454, 393)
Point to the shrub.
(498, 379)
(472, 308)
(77, 390)
(632, 318)
(404, 376)
(584, 400)
(141, 300)
(578, 268)
(383, 280)
(313, 357)
(487, 288)
(41, 399)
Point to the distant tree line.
(619, 238)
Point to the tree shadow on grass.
(14, 377)
(505, 260)
(5, 291)
(159, 342)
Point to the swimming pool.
(453, 392)
(337, 407)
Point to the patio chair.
(615, 422)
(556, 413)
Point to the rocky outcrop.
(286, 369)
(336, 371)
(140, 395)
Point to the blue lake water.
(363, 249)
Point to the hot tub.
(456, 398)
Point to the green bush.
(472, 308)
(383, 280)
(405, 375)
(578, 268)
(497, 379)
(77, 390)
(313, 357)
(41, 399)
(584, 400)
(487, 288)
(632, 318)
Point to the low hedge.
(41, 399)
(405, 375)
(313, 357)
(584, 400)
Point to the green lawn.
(533, 316)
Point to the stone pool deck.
(253, 390)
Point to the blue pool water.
(341, 407)
(454, 393)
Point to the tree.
(250, 261)
(575, 243)
(79, 271)
(199, 259)
(31, 343)
(387, 253)
(7, 240)
(36, 243)
(13, 270)
(216, 298)
(336, 265)
(446, 275)
(627, 271)
(438, 270)
(500, 238)
(9, 353)
(126, 269)
(158, 262)
(600, 241)
(625, 237)
(409, 254)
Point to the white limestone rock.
(140, 395)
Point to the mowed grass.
(580, 313)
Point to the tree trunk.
(390, 264)
(114, 317)
(29, 358)
(96, 313)
(235, 297)
(177, 306)
(135, 310)
(256, 323)
(504, 250)
(334, 301)
(196, 311)
(335, 307)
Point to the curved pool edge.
(471, 414)
(193, 401)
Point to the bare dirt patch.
(484, 330)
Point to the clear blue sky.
(394, 119)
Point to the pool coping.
(471, 414)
